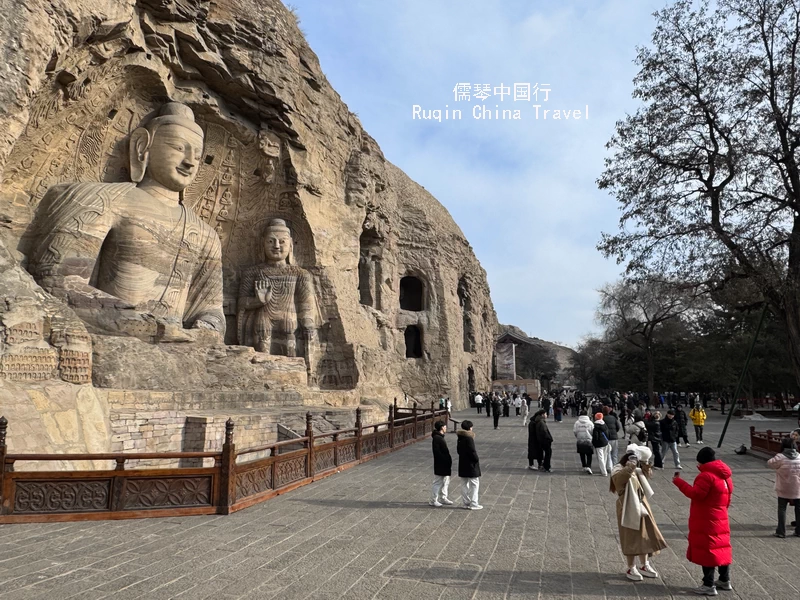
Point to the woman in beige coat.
(630, 484)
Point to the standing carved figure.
(133, 253)
(275, 297)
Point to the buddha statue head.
(166, 152)
(278, 245)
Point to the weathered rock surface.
(403, 303)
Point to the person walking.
(698, 417)
(517, 405)
(489, 401)
(614, 427)
(506, 406)
(653, 430)
(787, 484)
(469, 466)
(600, 443)
(683, 422)
(669, 437)
(558, 409)
(583, 429)
(525, 413)
(545, 440)
(709, 527)
(534, 449)
(479, 402)
(638, 533)
(496, 411)
(442, 465)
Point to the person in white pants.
(442, 464)
(600, 443)
(524, 413)
(469, 467)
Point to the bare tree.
(633, 310)
(707, 171)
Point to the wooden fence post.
(391, 425)
(228, 471)
(358, 433)
(414, 416)
(3, 452)
(310, 444)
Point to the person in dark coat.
(683, 424)
(614, 426)
(469, 466)
(496, 406)
(442, 465)
(545, 441)
(534, 449)
(709, 527)
(669, 437)
(653, 428)
(600, 443)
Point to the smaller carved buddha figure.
(275, 297)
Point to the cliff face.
(403, 302)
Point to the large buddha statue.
(275, 297)
(128, 256)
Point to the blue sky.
(522, 191)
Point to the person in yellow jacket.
(698, 417)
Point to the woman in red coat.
(709, 528)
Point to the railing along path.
(232, 483)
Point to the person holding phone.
(709, 527)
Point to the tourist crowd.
(628, 440)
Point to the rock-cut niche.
(413, 336)
(466, 316)
(412, 293)
(370, 269)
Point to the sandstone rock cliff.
(404, 303)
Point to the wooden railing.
(232, 483)
(767, 442)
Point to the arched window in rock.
(412, 293)
(413, 335)
(370, 271)
(466, 316)
(470, 379)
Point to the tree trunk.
(651, 373)
(791, 316)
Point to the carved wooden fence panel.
(768, 442)
(231, 484)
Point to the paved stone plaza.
(369, 533)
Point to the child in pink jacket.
(787, 484)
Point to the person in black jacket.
(469, 466)
(669, 437)
(653, 428)
(600, 443)
(683, 423)
(545, 440)
(614, 426)
(496, 406)
(442, 463)
(534, 449)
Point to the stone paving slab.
(368, 533)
